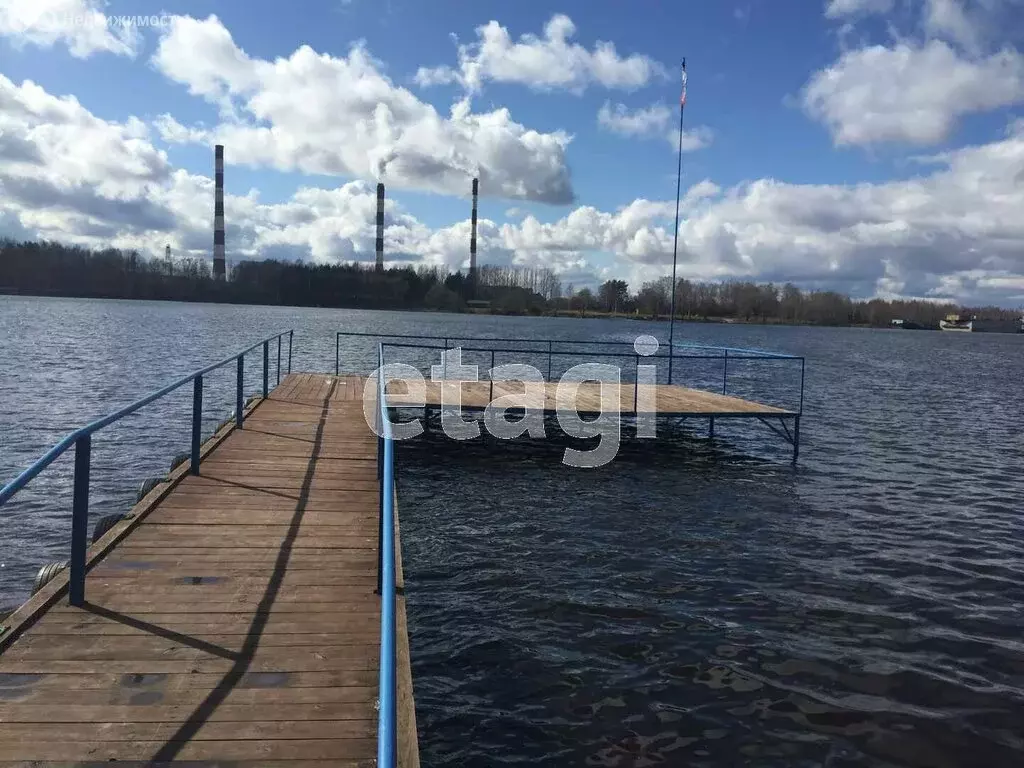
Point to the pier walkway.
(235, 622)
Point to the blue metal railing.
(81, 439)
(554, 349)
(725, 356)
(387, 718)
(551, 344)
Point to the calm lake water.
(702, 604)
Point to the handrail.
(562, 353)
(387, 718)
(81, 438)
(686, 345)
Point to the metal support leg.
(266, 368)
(796, 438)
(337, 354)
(80, 520)
(278, 359)
(239, 395)
(725, 372)
(197, 422)
(290, 334)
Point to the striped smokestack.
(472, 236)
(218, 214)
(380, 227)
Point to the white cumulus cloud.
(324, 114)
(544, 63)
(645, 121)
(949, 19)
(656, 121)
(836, 9)
(910, 93)
(81, 25)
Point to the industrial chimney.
(218, 214)
(380, 227)
(472, 239)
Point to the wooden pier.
(232, 620)
(249, 610)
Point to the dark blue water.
(699, 604)
(688, 606)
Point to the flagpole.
(675, 230)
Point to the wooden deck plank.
(96, 751)
(227, 713)
(211, 730)
(189, 764)
(186, 764)
(119, 684)
(236, 623)
(361, 690)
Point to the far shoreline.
(565, 314)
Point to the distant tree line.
(764, 302)
(55, 269)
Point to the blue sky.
(833, 144)
(743, 61)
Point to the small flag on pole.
(682, 98)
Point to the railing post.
(80, 520)
(278, 358)
(239, 396)
(801, 385)
(636, 384)
(266, 368)
(290, 334)
(725, 372)
(197, 421)
(490, 397)
(549, 359)
(337, 354)
(796, 438)
(671, 357)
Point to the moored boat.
(957, 322)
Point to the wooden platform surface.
(236, 624)
(663, 399)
